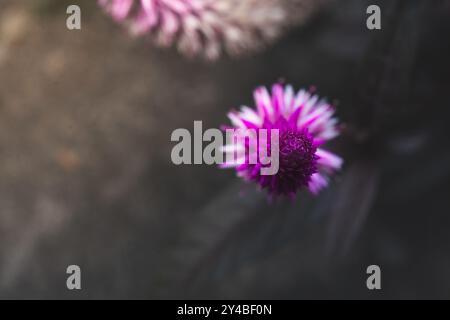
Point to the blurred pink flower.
(207, 27)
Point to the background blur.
(86, 176)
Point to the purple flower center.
(297, 163)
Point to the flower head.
(304, 123)
(205, 27)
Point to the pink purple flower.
(304, 123)
(206, 27)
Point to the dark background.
(86, 176)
